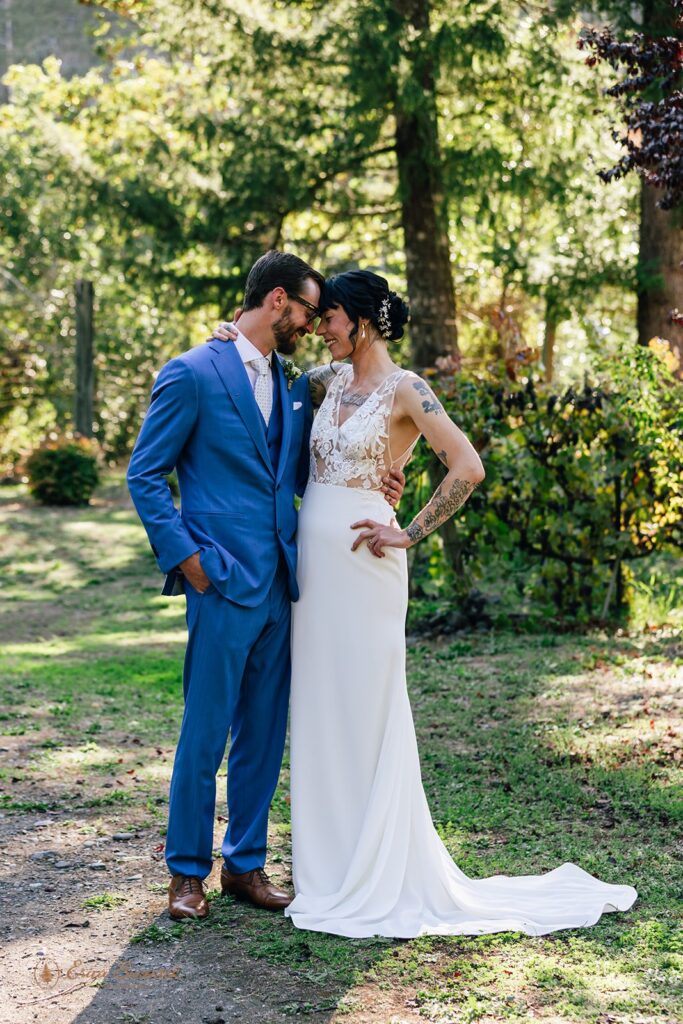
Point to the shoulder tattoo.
(318, 382)
(430, 402)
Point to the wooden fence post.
(83, 409)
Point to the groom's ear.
(237, 314)
(279, 297)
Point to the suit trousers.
(236, 680)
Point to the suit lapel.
(235, 380)
(285, 404)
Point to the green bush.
(578, 484)
(63, 472)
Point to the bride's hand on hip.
(378, 536)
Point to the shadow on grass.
(239, 963)
(242, 964)
(506, 795)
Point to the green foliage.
(578, 484)
(63, 473)
(211, 132)
(214, 132)
(157, 933)
(104, 901)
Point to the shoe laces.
(262, 875)
(190, 885)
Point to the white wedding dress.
(367, 859)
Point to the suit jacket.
(236, 509)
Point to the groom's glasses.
(314, 312)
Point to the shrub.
(578, 484)
(63, 472)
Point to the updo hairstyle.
(367, 295)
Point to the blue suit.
(237, 485)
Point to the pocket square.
(296, 405)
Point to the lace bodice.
(356, 453)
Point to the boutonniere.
(291, 371)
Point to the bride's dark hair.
(364, 294)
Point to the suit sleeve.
(169, 422)
(304, 457)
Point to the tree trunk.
(660, 274)
(549, 338)
(85, 376)
(8, 46)
(423, 204)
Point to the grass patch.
(535, 750)
(157, 933)
(104, 901)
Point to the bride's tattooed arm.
(440, 507)
(453, 449)
(417, 411)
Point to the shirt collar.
(247, 350)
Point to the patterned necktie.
(262, 389)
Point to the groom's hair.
(277, 269)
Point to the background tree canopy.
(455, 148)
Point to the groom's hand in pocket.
(192, 570)
(393, 486)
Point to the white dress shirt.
(248, 352)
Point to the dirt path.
(77, 963)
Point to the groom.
(236, 429)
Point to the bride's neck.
(370, 364)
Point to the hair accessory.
(383, 318)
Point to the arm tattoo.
(318, 381)
(442, 457)
(439, 508)
(430, 402)
(415, 532)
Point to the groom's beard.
(285, 333)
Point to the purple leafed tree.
(650, 93)
(652, 100)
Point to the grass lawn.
(535, 750)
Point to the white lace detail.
(355, 454)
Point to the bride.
(367, 859)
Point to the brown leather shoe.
(254, 887)
(186, 897)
